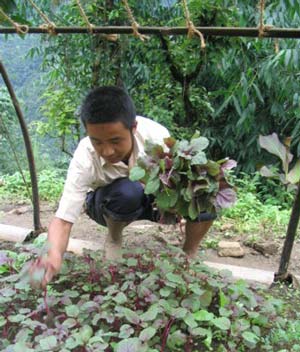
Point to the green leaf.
(86, 332)
(266, 172)
(213, 168)
(165, 292)
(237, 106)
(166, 199)
(203, 315)
(206, 298)
(176, 339)
(48, 343)
(272, 144)
(147, 334)
(16, 318)
(22, 347)
(136, 173)
(69, 323)
(199, 144)
(193, 210)
(120, 298)
(72, 311)
(191, 303)
(179, 313)
(131, 316)
(190, 321)
(130, 345)
(177, 279)
(223, 299)
(222, 323)
(258, 93)
(199, 159)
(126, 331)
(152, 186)
(2, 321)
(200, 332)
(294, 174)
(150, 314)
(250, 337)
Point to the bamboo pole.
(289, 239)
(269, 32)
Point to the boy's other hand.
(43, 269)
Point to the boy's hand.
(43, 269)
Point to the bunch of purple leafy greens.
(182, 178)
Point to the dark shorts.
(124, 200)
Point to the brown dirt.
(145, 234)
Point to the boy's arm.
(58, 238)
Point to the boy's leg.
(194, 233)
(115, 206)
(113, 241)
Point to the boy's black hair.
(108, 104)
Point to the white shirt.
(89, 171)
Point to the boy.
(98, 178)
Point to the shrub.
(50, 183)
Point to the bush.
(256, 210)
(50, 183)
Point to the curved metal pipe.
(29, 152)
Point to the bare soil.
(145, 234)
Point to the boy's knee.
(122, 200)
(125, 196)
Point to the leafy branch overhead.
(182, 178)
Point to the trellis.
(141, 32)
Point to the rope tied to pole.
(49, 26)
(276, 45)
(192, 30)
(134, 24)
(261, 27)
(20, 28)
(83, 14)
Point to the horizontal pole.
(272, 32)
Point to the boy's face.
(112, 140)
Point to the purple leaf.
(225, 198)
(4, 259)
(229, 164)
(165, 179)
(169, 142)
(168, 163)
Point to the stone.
(266, 248)
(230, 249)
(19, 211)
(227, 227)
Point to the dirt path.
(145, 234)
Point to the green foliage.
(50, 183)
(182, 179)
(9, 133)
(60, 120)
(147, 303)
(259, 207)
(233, 91)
